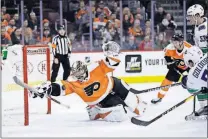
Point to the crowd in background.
(132, 28)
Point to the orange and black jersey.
(172, 55)
(98, 85)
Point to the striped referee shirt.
(63, 45)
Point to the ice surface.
(74, 122)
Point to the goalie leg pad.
(203, 99)
(111, 114)
(135, 104)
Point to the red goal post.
(25, 78)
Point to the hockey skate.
(201, 114)
(156, 100)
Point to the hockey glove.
(204, 90)
(42, 90)
(179, 62)
(170, 62)
(184, 81)
(171, 66)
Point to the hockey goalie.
(106, 96)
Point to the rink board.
(135, 67)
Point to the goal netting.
(30, 63)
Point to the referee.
(61, 51)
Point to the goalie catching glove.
(42, 90)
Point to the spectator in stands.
(5, 37)
(5, 19)
(126, 11)
(11, 27)
(110, 33)
(115, 9)
(16, 36)
(3, 10)
(132, 45)
(126, 24)
(47, 25)
(115, 21)
(161, 42)
(25, 25)
(141, 19)
(136, 31)
(99, 9)
(107, 12)
(147, 31)
(72, 37)
(146, 44)
(82, 11)
(33, 21)
(28, 37)
(168, 23)
(141, 11)
(147, 24)
(82, 19)
(26, 16)
(168, 26)
(99, 27)
(99, 22)
(17, 20)
(46, 36)
(159, 16)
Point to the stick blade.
(22, 84)
(15, 79)
(139, 122)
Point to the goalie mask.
(192, 56)
(111, 49)
(79, 71)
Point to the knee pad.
(111, 114)
(135, 103)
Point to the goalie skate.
(192, 117)
(201, 114)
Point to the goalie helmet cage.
(25, 78)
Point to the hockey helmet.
(178, 37)
(192, 56)
(195, 9)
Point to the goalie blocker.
(107, 97)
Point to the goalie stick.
(146, 123)
(153, 89)
(24, 85)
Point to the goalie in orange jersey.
(175, 64)
(106, 96)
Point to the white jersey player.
(197, 78)
(195, 15)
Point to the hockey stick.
(146, 123)
(24, 85)
(153, 89)
(194, 105)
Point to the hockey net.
(30, 63)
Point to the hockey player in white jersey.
(195, 15)
(196, 80)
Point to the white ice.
(74, 122)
